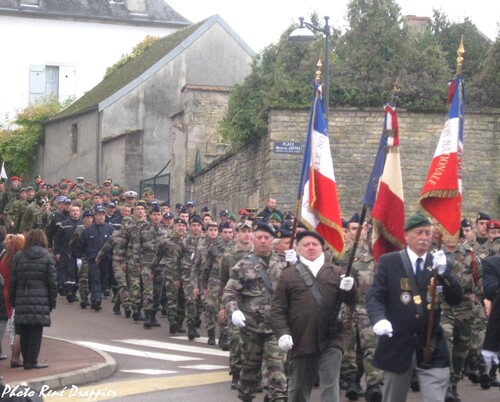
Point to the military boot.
(191, 332)
(235, 380)
(449, 397)
(493, 376)
(484, 376)
(223, 340)
(351, 392)
(128, 311)
(136, 314)
(83, 301)
(70, 296)
(116, 308)
(373, 393)
(173, 327)
(154, 321)
(211, 337)
(473, 369)
(148, 319)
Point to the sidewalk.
(69, 364)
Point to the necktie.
(418, 271)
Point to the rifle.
(432, 292)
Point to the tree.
(18, 146)
(137, 50)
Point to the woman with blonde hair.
(13, 244)
(33, 293)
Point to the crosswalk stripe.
(140, 353)
(204, 367)
(149, 371)
(175, 346)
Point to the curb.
(77, 377)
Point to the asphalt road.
(154, 366)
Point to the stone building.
(155, 116)
(63, 47)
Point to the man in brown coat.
(301, 315)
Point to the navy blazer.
(390, 297)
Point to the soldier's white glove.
(383, 327)
(291, 256)
(346, 283)
(78, 263)
(238, 318)
(490, 357)
(285, 343)
(439, 261)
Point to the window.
(74, 138)
(50, 80)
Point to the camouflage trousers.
(261, 354)
(120, 271)
(235, 349)
(83, 279)
(478, 331)
(211, 305)
(175, 302)
(368, 344)
(457, 327)
(135, 283)
(194, 306)
(153, 280)
(349, 365)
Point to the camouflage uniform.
(127, 252)
(35, 217)
(247, 291)
(364, 271)
(193, 305)
(457, 320)
(169, 259)
(153, 276)
(229, 260)
(15, 214)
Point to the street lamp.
(305, 33)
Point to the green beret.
(63, 186)
(415, 221)
(78, 203)
(275, 216)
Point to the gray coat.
(33, 286)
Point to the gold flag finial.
(460, 56)
(318, 71)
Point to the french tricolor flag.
(320, 207)
(384, 193)
(441, 195)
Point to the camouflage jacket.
(246, 290)
(363, 273)
(149, 239)
(35, 217)
(169, 256)
(188, 249)
(127, 243)
(463, 269)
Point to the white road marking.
(149, 371)
(140, 353)
(175, 346)
(204, 367)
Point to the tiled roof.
(151, 12)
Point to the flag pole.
(432, 287)
(301, 180)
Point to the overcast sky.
(260, 22)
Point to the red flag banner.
(441, 195)
(388, 212)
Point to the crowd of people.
(288, 315)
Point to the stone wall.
(247, 177)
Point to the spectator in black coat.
(33, 293)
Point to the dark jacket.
(491, 284)
(92, 240)
(3, 308)
(33, 286)
(64, 234)
(295, 311)
(389, 297)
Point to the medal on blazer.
(405, 297)
(417, 299)
(405, 284)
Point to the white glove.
(439, 261)
(285, 343)
(383, 327)
(291, 256)
(346, 283)
(490, 357)
(238, 318)
(78, 263)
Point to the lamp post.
(305, 33)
